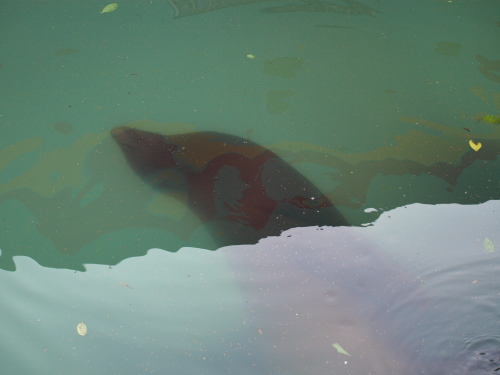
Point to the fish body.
(241, 190)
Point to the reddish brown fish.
(240, 189)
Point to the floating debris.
(340, 349)
(475, 146)
(109, 8)
(491, 119)
(488, 245)
(81, 328)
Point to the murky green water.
(378, 103)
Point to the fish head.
(148, 154)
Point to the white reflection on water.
(404, 296)
(410, 292)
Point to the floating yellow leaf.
(475, 146)
(109, 8)
(340, 349)
(250, 56)
(81, 328)
(491, 119)
(488, 245)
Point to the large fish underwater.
(242, 191)
(245, 193)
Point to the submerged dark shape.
(241, 190)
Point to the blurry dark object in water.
(241, 190)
